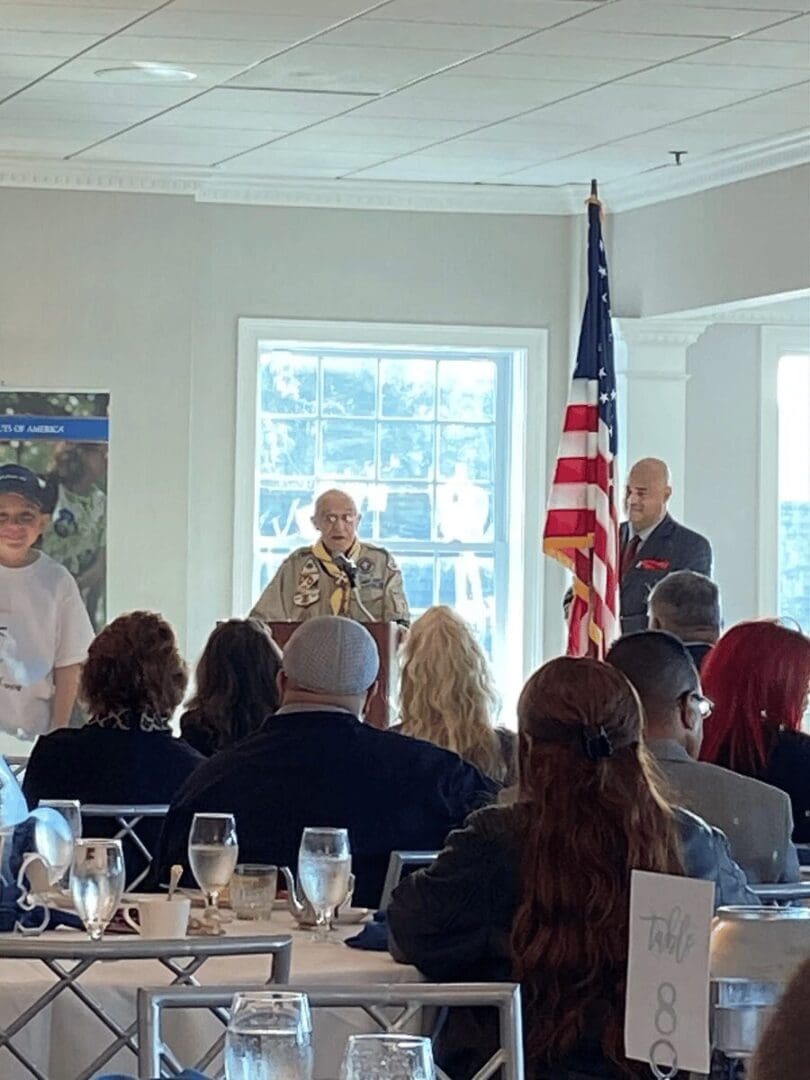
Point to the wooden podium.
(381, 712)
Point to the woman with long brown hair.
(539, 891)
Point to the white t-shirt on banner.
(43, 625)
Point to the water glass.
(97, 882)
(324, 869)
(269, 1037)
(388, 1057)
(212, 854)
(253, 890)
(71, 811)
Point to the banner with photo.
(63, 436)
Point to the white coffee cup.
(159, 917)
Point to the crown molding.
(703, 173)
(209, 186)
(680, 333)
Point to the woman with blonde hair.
(538, 891)
(446, 694)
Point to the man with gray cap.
(315, 763)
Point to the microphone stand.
(349, 568)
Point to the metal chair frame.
(70, 960)
(782, 893)
(129, 816)
(396, 864)
(18, 764)
(155, 1058)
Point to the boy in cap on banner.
(315, 763)
(45, 630)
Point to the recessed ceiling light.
(145, 72)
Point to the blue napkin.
(373, 936)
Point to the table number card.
(667, 1004)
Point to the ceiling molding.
(702, 174)
(207, 185)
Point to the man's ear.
(689, 718)
(281, 682)
(653, 622)
(371, 693)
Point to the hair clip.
(596, 743)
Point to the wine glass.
(269, 1036)
(212, 854)
(71, 811)
(97, 882)
(387, 1057)
(324, 867)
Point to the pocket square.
(652, 564)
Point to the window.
(426, 431)
(793, 400)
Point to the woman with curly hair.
(131, 683)
(446, 694)
(758, 676)
(236, 686)
(539, 891)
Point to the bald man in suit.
(652, 544)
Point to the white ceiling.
(523, 93)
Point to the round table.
(65, 1037)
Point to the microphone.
(348, 566)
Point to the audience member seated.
(538, 891)
(755, 817)
(782, 1050)
(131, 684)
(315, 763)
(687, 604)
(447, 696)
(236, 688)
(758, 675)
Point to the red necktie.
(629, 554)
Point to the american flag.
(582, 530)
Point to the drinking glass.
(253, 890)
(387, 1057)
(97, 882)
(212, 853)
(324, 866)
(269, 1037)
(71, 811)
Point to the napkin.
(373, 936)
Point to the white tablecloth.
(66, 1037)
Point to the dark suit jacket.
(698, 650)
(673, 547)
(327, 768)
(788, 768)
(104, 765)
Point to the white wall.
(141, 295)
(722, 458)
(732, 243)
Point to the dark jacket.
(454, 919)
(698, 650)
(104, 765)
(327, 768)
(670, 546)
(788, 768)
(507, 750)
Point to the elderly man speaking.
(338, 575)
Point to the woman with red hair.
(758, 676)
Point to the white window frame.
(526, 445)
(775, 342)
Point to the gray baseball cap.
(331, 655)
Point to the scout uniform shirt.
(308, 584)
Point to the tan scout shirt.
(302, 589)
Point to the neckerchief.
(339, 600)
